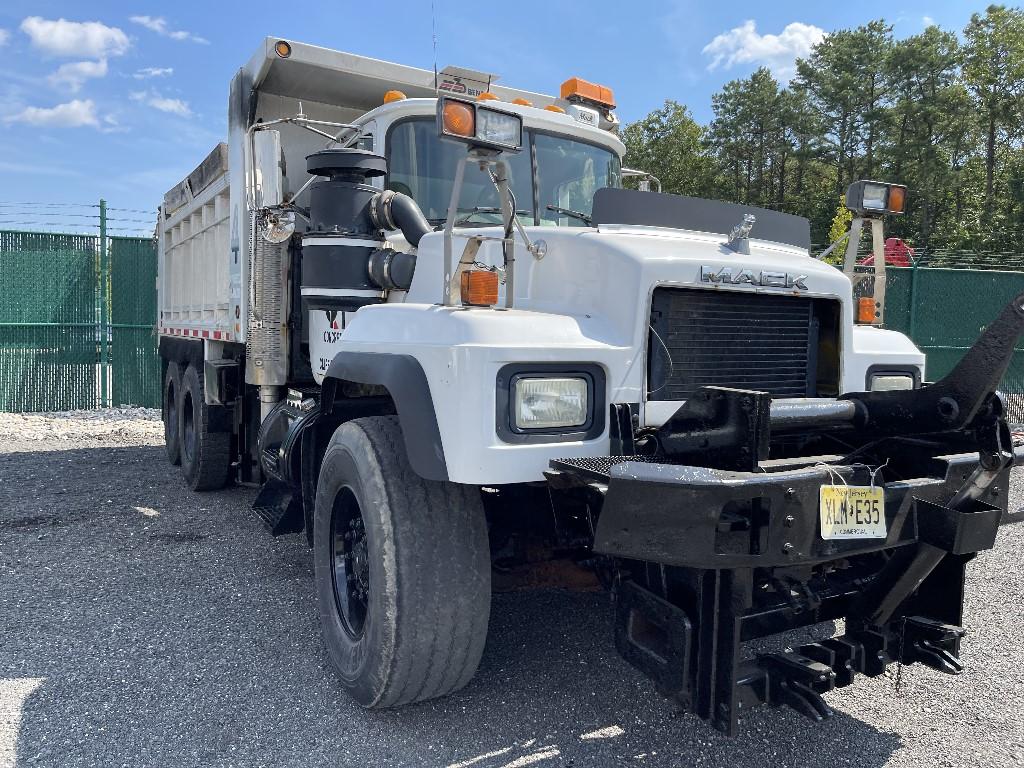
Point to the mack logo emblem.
(765, 278)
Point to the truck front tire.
(402, 568)
(171, 407)
(205, 453)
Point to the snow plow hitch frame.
(716, 541)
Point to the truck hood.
(609, 273)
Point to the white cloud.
(4, 36)
(159, 25)
(162, 103)
(745, 45)
(174, 106)
(112, 125)
(147, 72)
(73, 75)
(72, 114)
(927, 21)
(75, 39)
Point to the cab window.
(565, 176)
(422, 165)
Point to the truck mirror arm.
(489, 160)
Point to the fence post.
(913, 300)
(104, 307)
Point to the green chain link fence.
(49, 329)
(77, 314)
(134, 363)
(944, 310)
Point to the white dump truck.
(421, 312)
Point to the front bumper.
(696, 517)
(711, 558)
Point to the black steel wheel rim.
(350, 567)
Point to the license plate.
(852, 512)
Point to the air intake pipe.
(393, 210)
(346, 263)
(392, 270)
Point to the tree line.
(941, 113)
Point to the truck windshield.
(569, 172)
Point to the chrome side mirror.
(268, 177)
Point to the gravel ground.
(141, 624)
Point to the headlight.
(499, 127)
(875, 197)
(887, 382)
(550, 403)
(479, 125)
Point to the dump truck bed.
(198, 283)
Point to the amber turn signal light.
(897, 197)
(866, 310)
(479, 288)
(283, 49)
(459, 118)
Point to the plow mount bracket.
(718, 543)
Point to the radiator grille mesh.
(736, 339)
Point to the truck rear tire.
(205, 454)
(171, 407)
(402, 570)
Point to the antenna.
(433, 37)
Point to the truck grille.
(756, 341)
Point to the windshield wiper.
(571, 213)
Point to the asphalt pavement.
(145, 625)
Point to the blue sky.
(122, 99)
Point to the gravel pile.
(110, 426)
(142, 624)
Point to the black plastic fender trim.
(403, 377)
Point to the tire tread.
(172, 432)
(213, 449)
(443, 573)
